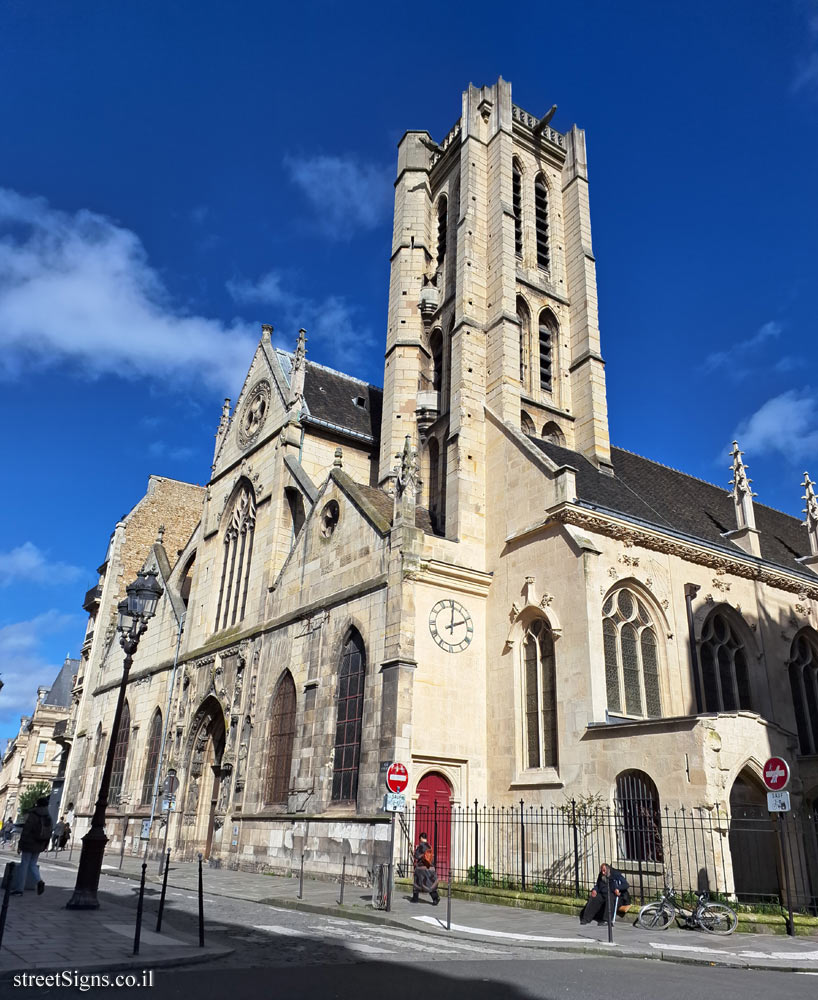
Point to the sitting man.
(609, 880)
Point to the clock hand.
(454, 624)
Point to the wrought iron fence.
(558, 850)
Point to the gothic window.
(541, 218)
(517, 206)
(349, 719)
(551, 432)
(238, 552)
(725, 674)
(442, 227)
(280, 747)
(639, 818)
(548, 330)
(436, 348)
(187, 581)
(631, 656)
(437, 502)
(540, 696)
(524, 318)
(803, 670)
(152, 759)
(123, 737)
(527, 424)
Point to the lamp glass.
(144, 594)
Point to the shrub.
(480, 876)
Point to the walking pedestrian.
(425, 879)
(56, 835)
(34, 838)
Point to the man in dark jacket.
(609, 880)
(34, 838)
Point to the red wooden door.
(433, 816)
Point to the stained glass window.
(723, 660)
(631, 656)
(152, 758)
(540, 696)
(280, 748)
(120, 756)
(349, 720)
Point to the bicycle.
(715, 918)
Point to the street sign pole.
(785, 861)
(391, 865)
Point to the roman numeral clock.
(451, 626)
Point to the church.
(458, 572)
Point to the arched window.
(541, 217)
(280, 747)
(639, 818)
(436, 349)
(152, 758)
(527, 424)
(803, 670)
(540, 696)
(442, 228)
(123, 737)
(548, 331)
(723, 658)
(517, 206)
(551, 432)
(631, 656)
(187, 581)
(524, 317)
(238, 553)
(349, 719)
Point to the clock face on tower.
(451, 626)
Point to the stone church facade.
(459, 572)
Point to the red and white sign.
(397, 777)
(776, 774)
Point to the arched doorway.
(207, 788)
(753, 846)
(433, 816)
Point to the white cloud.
(333, 321)
(161, 449)
(733, 359)
(806, 74)
(24, 667)
(78, 288)
(787, 423)
(29, 564)
(346, 195)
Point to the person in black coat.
(609, 880)
(34, 838)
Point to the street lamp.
(135, 611)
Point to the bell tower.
(492, 300)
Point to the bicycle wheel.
(716, 918)
(656, 916)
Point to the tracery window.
(803, 671)
(548, 329)
(540, 696)
(723, 658)
(280, 747)
(238, 553)
(348, 721)
(123, 737)
(639, 817)
(442, 228)
(152, 758)
(517, 206)
(527, 424)
(541, 218)
(524, 318)
(631, 656)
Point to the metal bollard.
(139, 907)
(162, 896)
(609, 910)
(201, 905)
(343, 873)
(8, 878)
(449, 903)
(301, 878)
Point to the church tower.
(492, 301)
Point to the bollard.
(301, 878)
(611, 895)
(449, 903)
(162, 896)
(343, 873)
(139, 906)
(8, 878)
(201, 905)
(122, 850)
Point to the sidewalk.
(41, 935)
(486, 922)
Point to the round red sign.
(397, 777)
(776, 774)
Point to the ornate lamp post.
(135, 611)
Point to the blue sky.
(174, 173)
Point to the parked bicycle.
(715, 918)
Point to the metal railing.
(558, 850)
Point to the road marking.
(504, 934)
(278, 930)
(803, 956)
(369, 949)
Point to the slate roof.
(331, 399)
(667, 498)
(60, 692)
(384, 505)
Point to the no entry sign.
(397, 777)
(776, 774)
